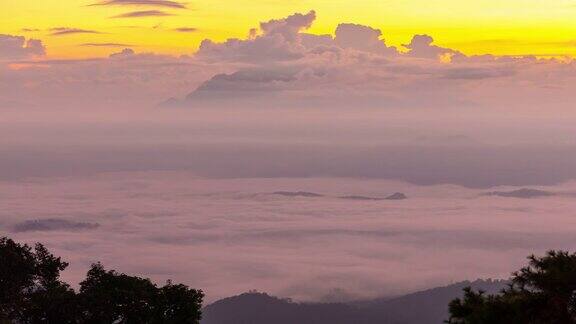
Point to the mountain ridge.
(423, 307)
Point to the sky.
(167, 127)
(515, 27)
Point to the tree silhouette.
(544, 292)
(31, 292)
(30, 286)
(111, 297)
(178, 304)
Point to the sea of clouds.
(229, 236)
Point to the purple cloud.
(144, 13)
(422, 46)
(17, 47)
(363, 38)
(280, 40)
(124, 53)
(106, 45)
(61, 31)
(53, 224)
(154, 3)
(186, 29)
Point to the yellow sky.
(541, 27)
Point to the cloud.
(106, 45)
(422, 46)
(144, 13)
(279, 41)
(199, 231)
(525, 193)
(298, 194)
(53, 224)
(186, 29)
(362, 38)
(280, 64)
(151, 3)
(478, 73)
(290, 26)
(17, 47)
(129, 79)
(284, 39)
(62, 31)
(127, 52)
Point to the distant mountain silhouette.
(425, 307)
(397, 196)
(306, 194)
(298, 194)
(259, 308)
(525, 193)
(361, 198)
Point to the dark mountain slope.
(425, 307)
(259, 308)
(429, 306)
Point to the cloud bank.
(18, 47)
(228, 236)
(281, 64)
(286, 103)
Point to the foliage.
(31, 292)
(543, 292)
